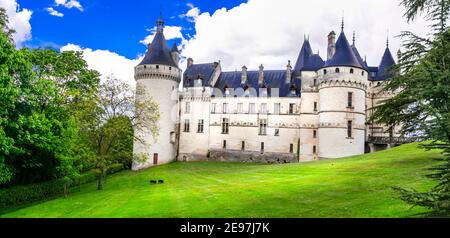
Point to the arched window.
(336, 70)
(352, 71)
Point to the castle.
(313, 109)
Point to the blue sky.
(110, 24)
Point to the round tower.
(342, 87)
(157, 78)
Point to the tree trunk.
(65, 190)
(100, 181)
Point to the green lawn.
(348, 187)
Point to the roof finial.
(387, 39)
(354, 37)
(160, 23)
(342, 25)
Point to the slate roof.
(205, 71)
(344, 55)
(359, 58)
(307, 61)
(387, 61)
(158, 51)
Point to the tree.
(422, 104)
(4, 24)
(111, 128)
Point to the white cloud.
(170, 32)
(69, 4)
(53, 12)
(192, 14)
(107, 63)
(19, 20)
(271, 32)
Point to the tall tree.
(422, 103)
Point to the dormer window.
(352, 71)
(337, 70)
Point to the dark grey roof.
(344, 55)
(158, 51)
(307, 61)
(204, 71)
(387, 61)
(359, 58)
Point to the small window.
(225, 108)
(263, 127)
(262, 147)
(213, 108)
(315, 82)
(314, 149)
(337, 70)
(277, 132)
(324, 71)
(157, 66)
(349, 129)
(291, 148)
(251, 108)
(315, 106)
(291, 108)
(240, 107)
(243, 146)
(276, 108)
(224, 144)
(352, 71)
(362, 73)
(263, 108)
(350, 100)
(187, 107)
(186, 125)
(200, 126)
(225, 125)
(314, 134)
(170, 68)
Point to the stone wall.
(251, 157)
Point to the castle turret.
(175, 53)
(342, 89)
(157, 78)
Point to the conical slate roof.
(358, 57)
(344, 55)
(386, 63)
(158, 51)
(307, 61)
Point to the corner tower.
(342, 87)
(157, 78)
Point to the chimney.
(331, 45)
(261, 75)
(244, 75)
(190, 62)
(288, 72)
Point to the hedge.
(19, 195)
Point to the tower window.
(314, 134)
(157, 66)
(225, 125)
(314, 149)
(337, 70)
(349, 129)
(350, 100)
(200, 126)
(263, 127)
(315, 106)
(362, 73)
(224, 144)
(315, 82)
(352, 71)
(186, 125)
(324, 71)
(291, 148)
(243, 145)
(262, 147)
(291, 108)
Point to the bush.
(115, 168)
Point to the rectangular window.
(186, 125)
(315, 106)
(349, 129)
(213, 108)
(225, 125)
(243, 146)
(224, 144)
(188, 107)
(263, 108)
(291, 108)
(276, 108)
(240, 107)
(251, 108)
(263, 127)
(262, 147)
(225, 108)
(314, 134)
(291, 148)
(314, 149)
(200, 126)
(315, 82)
(350, 100)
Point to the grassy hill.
(349, 187)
